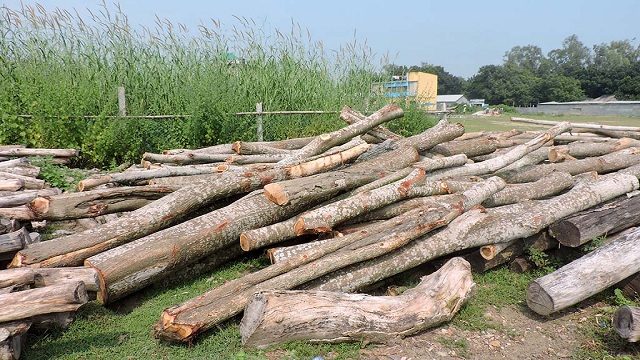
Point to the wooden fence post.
(122, 102)
(259, 121)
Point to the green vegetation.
(60, 176)
(59, 67)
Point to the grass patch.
(460, 346)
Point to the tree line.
(527, 76)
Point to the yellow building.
(416, 87)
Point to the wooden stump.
(626, 322)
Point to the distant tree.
(506, 84)
(572, 59)
(559, 88)
(613, 70)
(529, 57)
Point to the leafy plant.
(59, 176)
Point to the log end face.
(538, 300)
(276, 194)
(245, 242)
(101, 293)
(39, 206)
(567, 233)
(18, 261)
(251, 320)
(299, 228)
(623, 321)
(166, 329)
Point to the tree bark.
(626, 322)
(470, 148)
(97, 202)
(601, 164)
(183, 322)
(586, 276)
(25, 170)
(50, 299)
(477, 228)
(583, 149)
(324, 142)
(604, 219)
(499, 162)
(72, 250)
(351, 116)
(39, 152)
(12, 339)
(53, 276)
(547, 186)
(273, 317)
(285, 146)
(11, 184)
(23, 197)
(30, 183)
(18, 212)
(10, 278)
(14, 241)
(578, 125)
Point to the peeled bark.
(273, 317)
(605, 219)
(626, 322)
(97, 202)
(477, 228)
(50, 299)
(586, 276)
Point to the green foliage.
(60, 67)
(414, 121)
(59, 176)
(621, 300)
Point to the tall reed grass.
(58, 67)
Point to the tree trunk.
(244, 147)
(10, 278)
(500, 162)
(14, 241)
(11, 184)
(476, 228)
(607, 218)
(52, 276)
(626, 322)
(601, 164)
(578, 125)
(586, 276)
(183, 322)
(23, 197)
(273, 317)
(351, 116)
(324, 142)
(30, 183)
(581, 149)
(50, 299)
(72, 250)
(97, 202)
(547, 186)
(12, 339)
(470, 148)
(18, 212)
(39, 152)
(25, 170)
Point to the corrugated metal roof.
(448, 98)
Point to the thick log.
(626, 322)
(550, 185)
(23, 197)
(273, 317)
(26, 170)
(12, 339)
(582, 149)
(11, 184)
(500, 162)
(183, 322)
(39, 152)
(533, 158)
(22, 213)
(215, 149)
(72, 250)
(63, 297)
(604, 219)
(585, 276)
(470, 148)
(182, 244)
(52, 276)
(351, 116)
(16, 277)
(324, 142)
(96, 202)
(30, 183)
(14, 241)
(135, 176)
(521, 265)
(477, 228)
(601, 164)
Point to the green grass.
(503, 122)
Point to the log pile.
(340, 212)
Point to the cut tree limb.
(351, 116)
(577, 125)
(50, 299)
(273, 317)
(544, 187)
(626, 322)
(585, 276)
(583, 149)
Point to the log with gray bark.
(23, 197)
(586, 276)
(477, 228)
(12, 242)
(72, 250)
(626, 322)
(578, 125)
(12, 339)
(584, 149)
(68, 296)
(381, 133)
(604, 219)
(548, 186)
(275, 316)
(183, 322)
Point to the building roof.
(448, 98)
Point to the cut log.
(585, 276)
(604, 219)
(626, 322)
(215, 149)
(22, 213)
(30, 182)
(500, 162)
(14, 241)
(476, 228)
(351, 116)
(12, 339)
(521, 265)
(16, 277)
(547, 186)
(183, 322)
(97, 202)
(26, 170)
(11, 184)
(270, 147)
(324, 142)
(578, 125)
(72, 250)
(583, 149)
(470, 148)
(39, 152)
(23, 197)
(51, 276)
(601, 164)
(50, 299)
(273, 317)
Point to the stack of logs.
(346, 210)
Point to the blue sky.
(459, 35)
